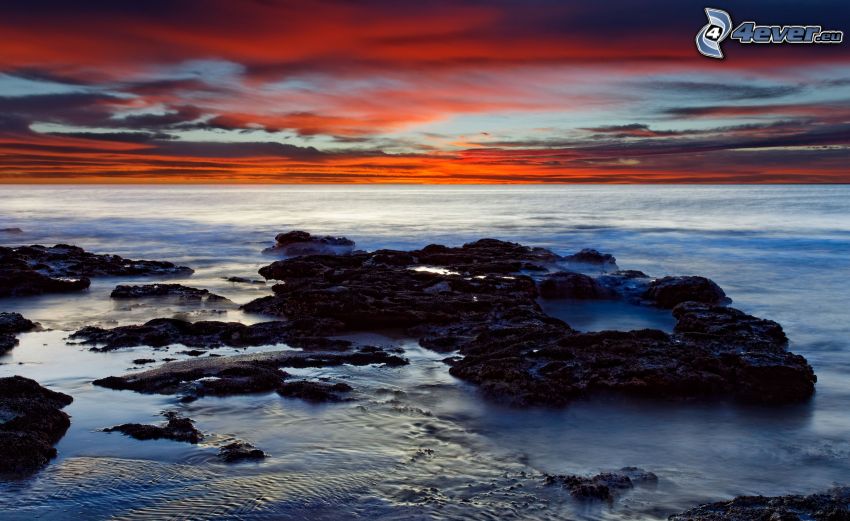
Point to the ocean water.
(415, 443)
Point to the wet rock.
(552, 364)
(178, 291)
(568, 284)
(15, 283)
(243, 280)
(142, 361)
(240, 374)
(15, 323)
(10, 324)
(833, 505)
(667, 292)
(240, 451)
(594, 257)
(601, 486)
(703, 320)
(193, 352)
(297, 243)
(176, 428)
(372, 291)
(11, 230)
(33, 270)
(475, 300)
(31, 422)
(161, 332)
(313, 391)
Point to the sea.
(414, 442)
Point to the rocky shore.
(31, 423)
(36, 269)
(479, 305)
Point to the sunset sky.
(416, 91)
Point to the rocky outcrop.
(240, 451)
(31, 423)
(482, 304)
(314, 391)
(568, 284)
(10, 325)
(296, 243)
(241, 374)
(176, 429)
(552, 364)
(177, 291)
(33, 270)
(667, 292)
(603, 486)
(833, 505)
(161, 332)
(593, 257)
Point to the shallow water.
(415, 442)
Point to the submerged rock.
(240, 451)
(297, 243)
(31, 422)
(179, 291)
(243, 280)
(240, 374)
(176, 429)
(33, 270)
(601, 486)
(833, 505)
(590, 256)
(313, 391)
(11, 230)
(667, 292)
(11, 324)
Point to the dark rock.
(697, 319)
(15, 323)
(10, 324)
(11, 230)
(177, 429)
(32, 270)
(313, 391)
(193, 352)
(299, 243)
(161, 332)
(32, 423)
(479, 304)
(568, 284)
(601, 486)
(833, 505)
(243, 280)
(179, 291)
(142, 361)
(667, 292)
(590, 256)
(552, 364)
(240, 374)
(240, 451)
(627, 284)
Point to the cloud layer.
(433, 91)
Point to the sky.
(389, 91)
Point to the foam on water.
(415, 442)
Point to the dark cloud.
(728, 91)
